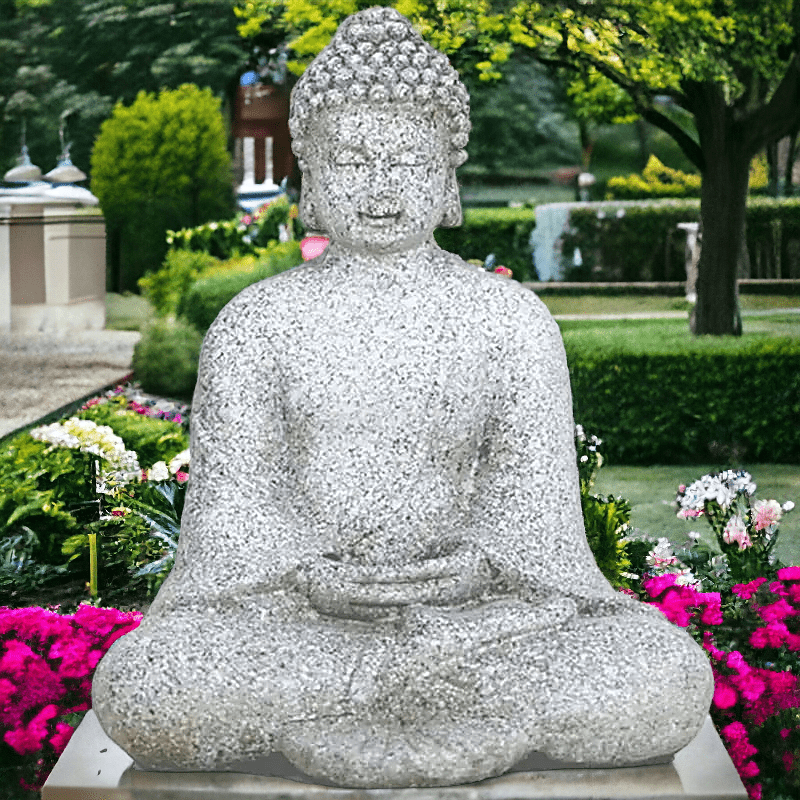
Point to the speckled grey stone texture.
(382, 572)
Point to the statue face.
(379, 175)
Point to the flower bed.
(46, 665)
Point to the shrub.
(151, 438)
(743, 607)
(160, 163)
(56, 655)
(247, 233)
(180, 270)
(605, 519)
(165, 358)
(655, 181)
(682, 407)
(206, 298)
(502, 231)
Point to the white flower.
(693, 535)
(686, 578)
(584, 459)
(787, 506)
(179, 461)
(661, 556)
(579, 433)
(158, 472)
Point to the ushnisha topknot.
(376, 57)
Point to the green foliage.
(165, 358)
(502, 231)
(206, 298)
(180, 270)
(152, 439)
(136, 545)
(631, 243)
(81, 57)
(605, 518)
(655, 181)
(721, 401)
(160, 163)
(520, 123)
(246, 234)
(642, 243)
(39, 487)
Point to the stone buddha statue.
(383, 578)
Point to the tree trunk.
(723, 205)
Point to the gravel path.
(40, 373)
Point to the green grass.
(670, 335)
(127, 312)
(651, 490)
(628, 304)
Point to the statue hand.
(354, 591)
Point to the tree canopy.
(81, 56)
(722, 77)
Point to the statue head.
(379, 123)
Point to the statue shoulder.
(514, 309)
(255, 313)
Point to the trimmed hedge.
(640, 242)
(689, 407)
(502, 231)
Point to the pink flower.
(690, 513)
(768, 513)
(725, 695)
(30, 738)
(735, 532)
(504, 271)
(772, 635)
(789, 573)
(58, 741)
(312, 246)
(776, 612)
(177, 419)
(747, 590)
(181, 476)
(247, 219)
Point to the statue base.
(92, 767)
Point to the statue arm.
(236, 535)
(528, 518)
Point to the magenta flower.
(747, 590)
(789, 573)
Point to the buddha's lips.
(387, 217)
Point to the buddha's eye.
(409, 158)
(351, 157)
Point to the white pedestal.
(93, 768)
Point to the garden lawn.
(651, 336)
(632, 304)
(651, 490)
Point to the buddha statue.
(383, 578)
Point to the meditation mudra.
(383, 578)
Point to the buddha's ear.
(307, 207)
(451, 213)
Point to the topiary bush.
(689, 407)
(641, 242)
(165, 358)
(656, 181)
(161, 163)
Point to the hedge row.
(503, 231)
(686, 408)
(641, 242)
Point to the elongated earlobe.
(307, 206)
(451, 215)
